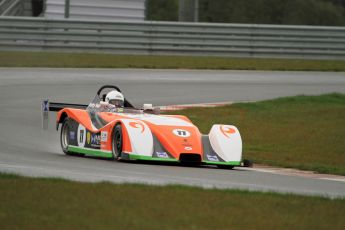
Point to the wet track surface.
(28, 150)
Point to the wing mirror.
(148, 108)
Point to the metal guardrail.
(124, 10)
(150, 37)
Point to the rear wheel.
(117, 142)
(64, 137)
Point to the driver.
(115, 98)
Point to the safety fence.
(172, 38)
(11, 7)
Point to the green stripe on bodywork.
(139, 157)
(234, 163)
(100, 153)
(89, 152)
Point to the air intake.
(190, 158)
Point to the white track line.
(296, 172)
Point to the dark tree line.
(290, 12)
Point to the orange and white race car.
(124, 132)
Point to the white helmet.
(115, 98)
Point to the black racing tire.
(117, 142)
(248, 163)
(64, 137)
(225, 166)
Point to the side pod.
(225, 142)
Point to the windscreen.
(98, 105)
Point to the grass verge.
(305, 132)
(31, 203)
(75, 60)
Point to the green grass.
(45, 59)
(31, 203)
(305, 132)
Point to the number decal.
(81, 136)
(181, 133)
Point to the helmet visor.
(116, 102)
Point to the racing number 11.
(182, 133)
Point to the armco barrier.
(172, 38)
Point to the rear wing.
(55, 107)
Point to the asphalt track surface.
(28, 150)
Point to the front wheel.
(64, 137)
(117, 142)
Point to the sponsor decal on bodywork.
(95, 140)
(212, 157)
(88, 137)
(104, 136)
(162, 155)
